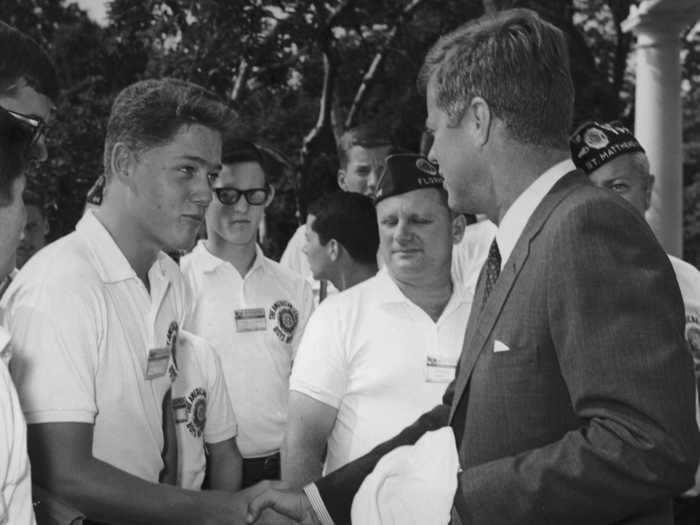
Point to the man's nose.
(201, 192)
(372, 179)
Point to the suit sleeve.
(338, 489)
(616, 324)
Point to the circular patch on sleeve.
(196, 411)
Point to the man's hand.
(288, 502)
(221, 507)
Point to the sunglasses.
(21, 128)
(229, 196)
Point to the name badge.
(250, 320)
(440, 369)
(158, 361)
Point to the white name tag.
(440, 369)
(158, 361)
(250, 320)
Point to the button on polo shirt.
(254, 323)
(82, 324)
(364, 352)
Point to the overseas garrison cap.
(593, 144)
(406, 172)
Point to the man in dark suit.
(573, 401)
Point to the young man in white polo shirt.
(376, 356)
(342, 239)
(94, 317)
(249, 307)
(361, 154)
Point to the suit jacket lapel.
(482, 320)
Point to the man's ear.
(649, 189)
(341, 180)
(270, 196)
(481, 115)
(120, 160)
(459, 224)
(333, 248)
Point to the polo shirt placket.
(254, 323)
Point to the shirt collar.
(389, 292)
(111, 263)
(208, 262)
(516, 217)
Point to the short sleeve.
(55, 339)
(305, 311)
(320, 367)
(221, 421)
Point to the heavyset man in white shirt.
(376, 356)
(94, 317)
(250, 308)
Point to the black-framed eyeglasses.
(229, 196)
(21, 128)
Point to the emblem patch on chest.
(286, 318)
(196, 406)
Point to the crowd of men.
(482, 334)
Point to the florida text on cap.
(406, 172)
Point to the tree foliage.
(298, 72)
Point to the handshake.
(267, 503)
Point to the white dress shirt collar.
(519, 213)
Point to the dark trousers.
(259, 469)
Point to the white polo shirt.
(15, 476)
(379, 359)
(201, 406)
(689, 282)
(254, 323)
(470, 254)
(83, 326)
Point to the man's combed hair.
(149, 113)
(350, 219)
(366, 135)
(236, 150)
(515, 61)
(21, 57)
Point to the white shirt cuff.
(311, 491)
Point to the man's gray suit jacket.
(588, 418)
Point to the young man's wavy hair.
(516, 62)
(149, 113)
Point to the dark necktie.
(493, 270)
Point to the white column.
(658, 120)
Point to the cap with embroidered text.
(404, 172)
(594, 144)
